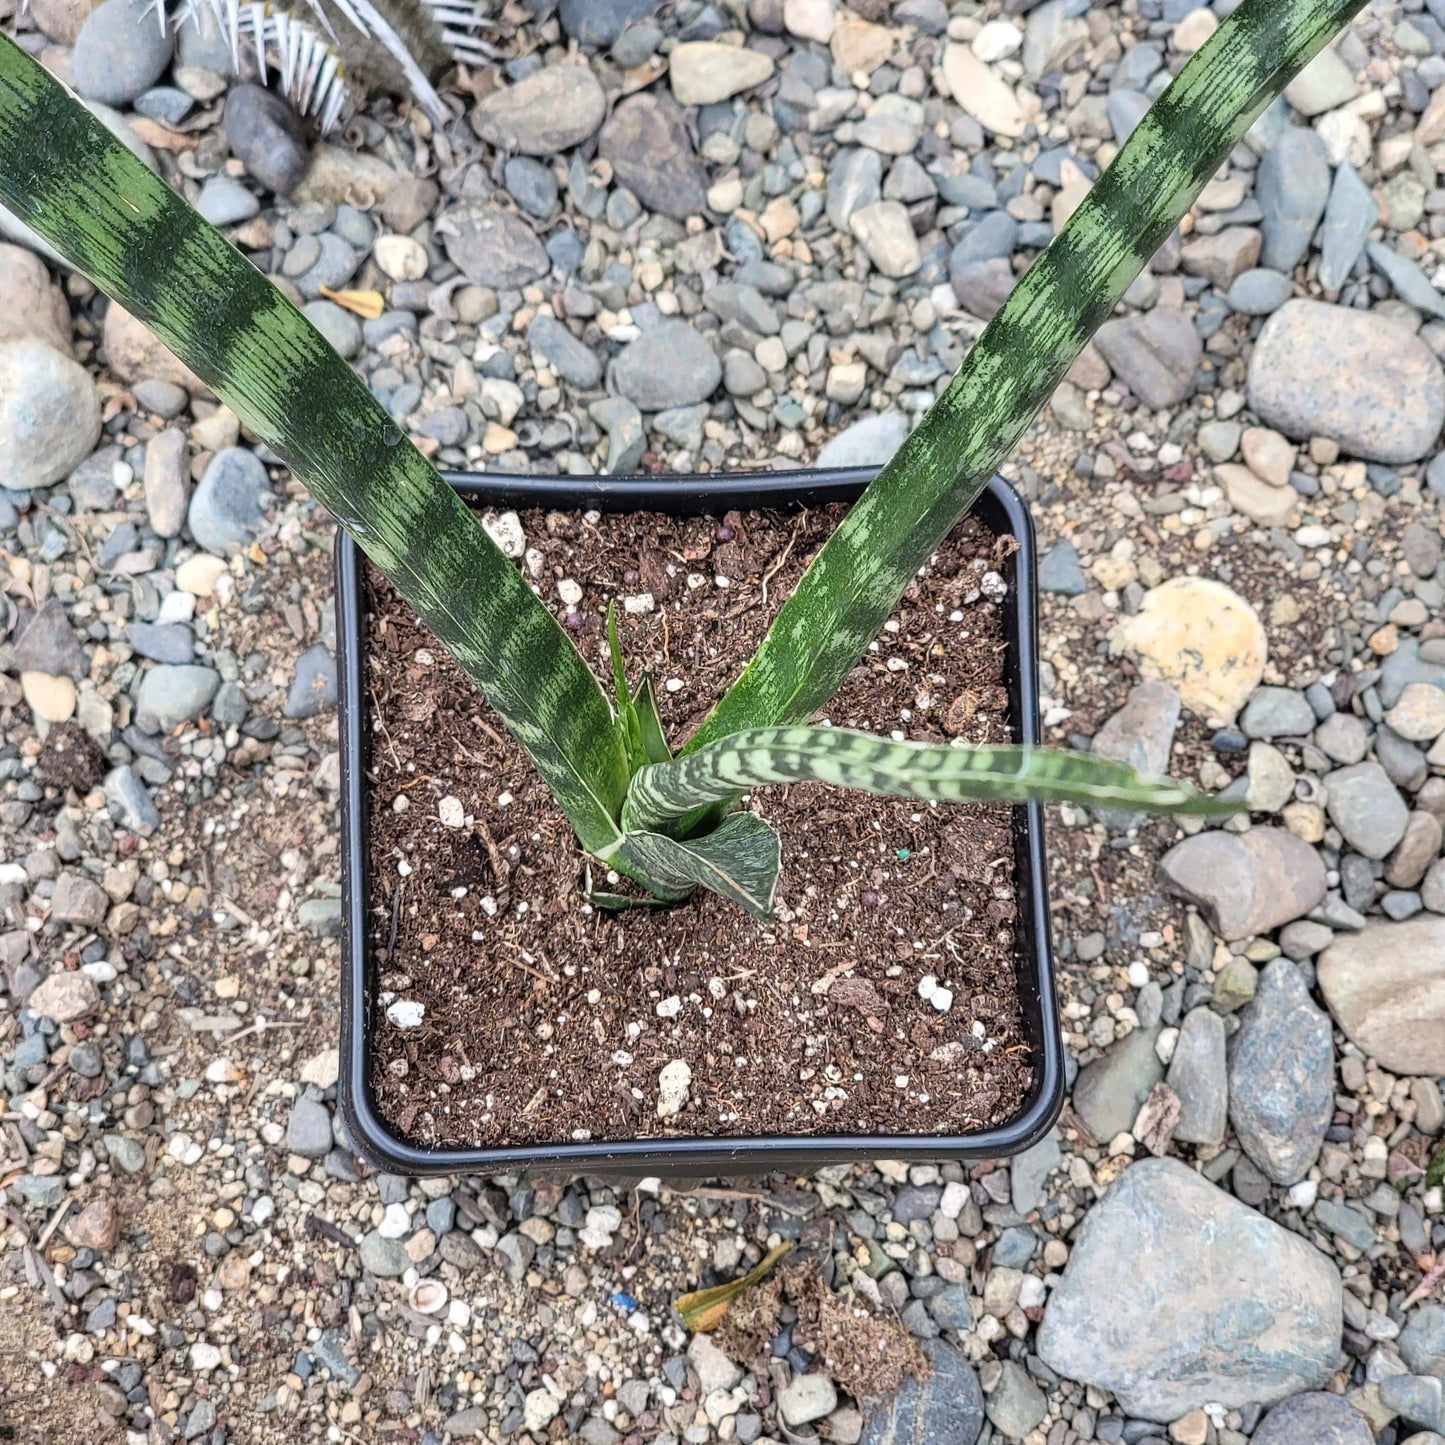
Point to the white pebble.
(942, 999)
(1304, 1194)
(927, 986)
(669, 1008)
(1138, 974)
(204, 1356)
(451, 812)
(395, 1222)
(405, 1013)
(505, 529)
(672, 1086)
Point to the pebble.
(885, 232)
(1349, 217)
(981, 93)
(1198, 1076)
(266, 136)
(1246, 883)
(120, 52)
(1318, 1417)
(549, 111)
(1016, 1404)
(491, 246)
(1364, 805)
(313, 687)
(64, 998)
(172, 695)
(867, 443)
(1352, 376)
(807, 1398)
(231, 501)
(669, 365)
(35, 307)
(645, 140)
(49, 414)
(224, 201)
(1156, 354)
(946, 1407)
(1223, 1283)
(575, 362)
(1109, 1090)
(1281, 1076)
(703, 72)
(51, 698)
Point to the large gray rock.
(1154, 354)
(1246, 883)
(171, 695)
(647, 144)
(49, 414)
(1422, 1341)
(492, 246)
(669, 365)
(121, 51)
(1176, 1295)
(945, 1408)
(867, 443)
(1364, 805)
(1318, 1418)
(1141, 733)
(1355, 377)
(1110, 1089)
(549, 111)
(1281, 1075)
(231, 500)
(1291, 186)
(1385, 987)
(1198, 1074)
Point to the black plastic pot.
(1004, 512)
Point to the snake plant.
(662, 817)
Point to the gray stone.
(163, 641)
(321, 916)
(1304, 939)
(1410, 283)
(982, 287)
(48, 644)
(1016, 1404)
(1259, 291)
(1126, 109)
(669, 365)
(308, 1131)
(1246, 883)
(570, 358)
(1345, 1223)
(866, 443)
(267, 137)
(1277, 712)
(1364, 805)
(1416, 1398)
(944, 1408)
(49, 414)
(1110, 1089)
(855, 180)
(1060, 571)
(532, 185)
(992, 238)
(1326, 82)
(340, 328)
(1385, 987)
(626, 433)
(646, 142)
(1351, 212)
(330, 1352)
(120, 51)
(170, 696)
(313, 689)
(334, 265)
(1029, 1173)
(1415, 852)
(714, 1370)
(1281, 1075)
(1353, 376)
(1422, 1341)
(231, 501)
(1314, 1419)
(806, 1398)
(951, 1308)
(1197, 1074)
(1231, 1308)
(547, 112)
(1141, 733)
(491, 246)
(1342, 738)
(598, 23)
(1292, 187)
(165, 480)
(78, 900)
(1155, 355)
(385, 1258)
(130, 801)
(224, 201)
(127, 1154)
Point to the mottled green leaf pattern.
(664, 792)
(858, 577)
(738, 859)
(131, 235)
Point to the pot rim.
(371, 1136)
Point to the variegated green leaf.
(665, 792)
(649, 723)
(738, 859)
(857, 578)
(130, 234)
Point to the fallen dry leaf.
(366, 304)
(703, 1309)
(162, 137)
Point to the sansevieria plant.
(667, 822)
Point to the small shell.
(427, 1296)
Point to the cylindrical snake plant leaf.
(857, 578)
(130, 234)
(663, 793)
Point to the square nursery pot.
(1004, 513)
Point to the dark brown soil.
(546, 1021)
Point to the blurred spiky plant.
(316, 47)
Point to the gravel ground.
(693, 237)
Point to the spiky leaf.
(665, 792)
(857, 578)
(130, 234)
(649, 723)
(738, 859)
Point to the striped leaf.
(738, 859)
(666, 792)
(857, 578)
(130, 234)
